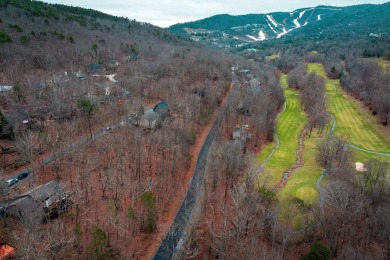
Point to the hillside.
(121, 140)
(225, 31)
(101, 122)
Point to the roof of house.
(44, 191)
(152, 116)
(6, 249)
(132, 56)
(93, 68)
(6, 88)
(29, 206)
(149, 118)
(161, 108)
(113, 63)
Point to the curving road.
(66, 150)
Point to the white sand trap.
(360, 167)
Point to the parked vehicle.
(23, 175)
(11, 182)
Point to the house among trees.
(39, 204)
(94, 68)
(153, 117)
(80, 75)
(6, 88)
(112, 64)
(255, 86)
(242, 134)
(6, 250)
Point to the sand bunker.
(360, 167)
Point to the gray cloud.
(168, 12)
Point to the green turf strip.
(352, 121)
(288, 127)
(302, 183)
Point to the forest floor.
(143, 245)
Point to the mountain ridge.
(226, 31)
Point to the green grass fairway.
(302, 183)
(267, 149)
(288, 127)
(384, 64)
(363, 157)
(352, 121)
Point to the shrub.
(16, 27)
(318, 252)
(4, 37)
(99, 247)
(149, 200)
(6, 128)
(24, 40)
(267, 195)
(131, 214)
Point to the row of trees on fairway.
(370, 83)
(312, 90)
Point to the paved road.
(66, 150)
(175, 236)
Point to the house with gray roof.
(38, 204)
(153, 117)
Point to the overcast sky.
(167, 12)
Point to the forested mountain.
(225, 31)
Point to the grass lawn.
(288, 127)
(359, 156)
(302, 183)
(384, 64)
(353, 121)
(267, 149)
(272, 57)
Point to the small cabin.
(153, 117)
